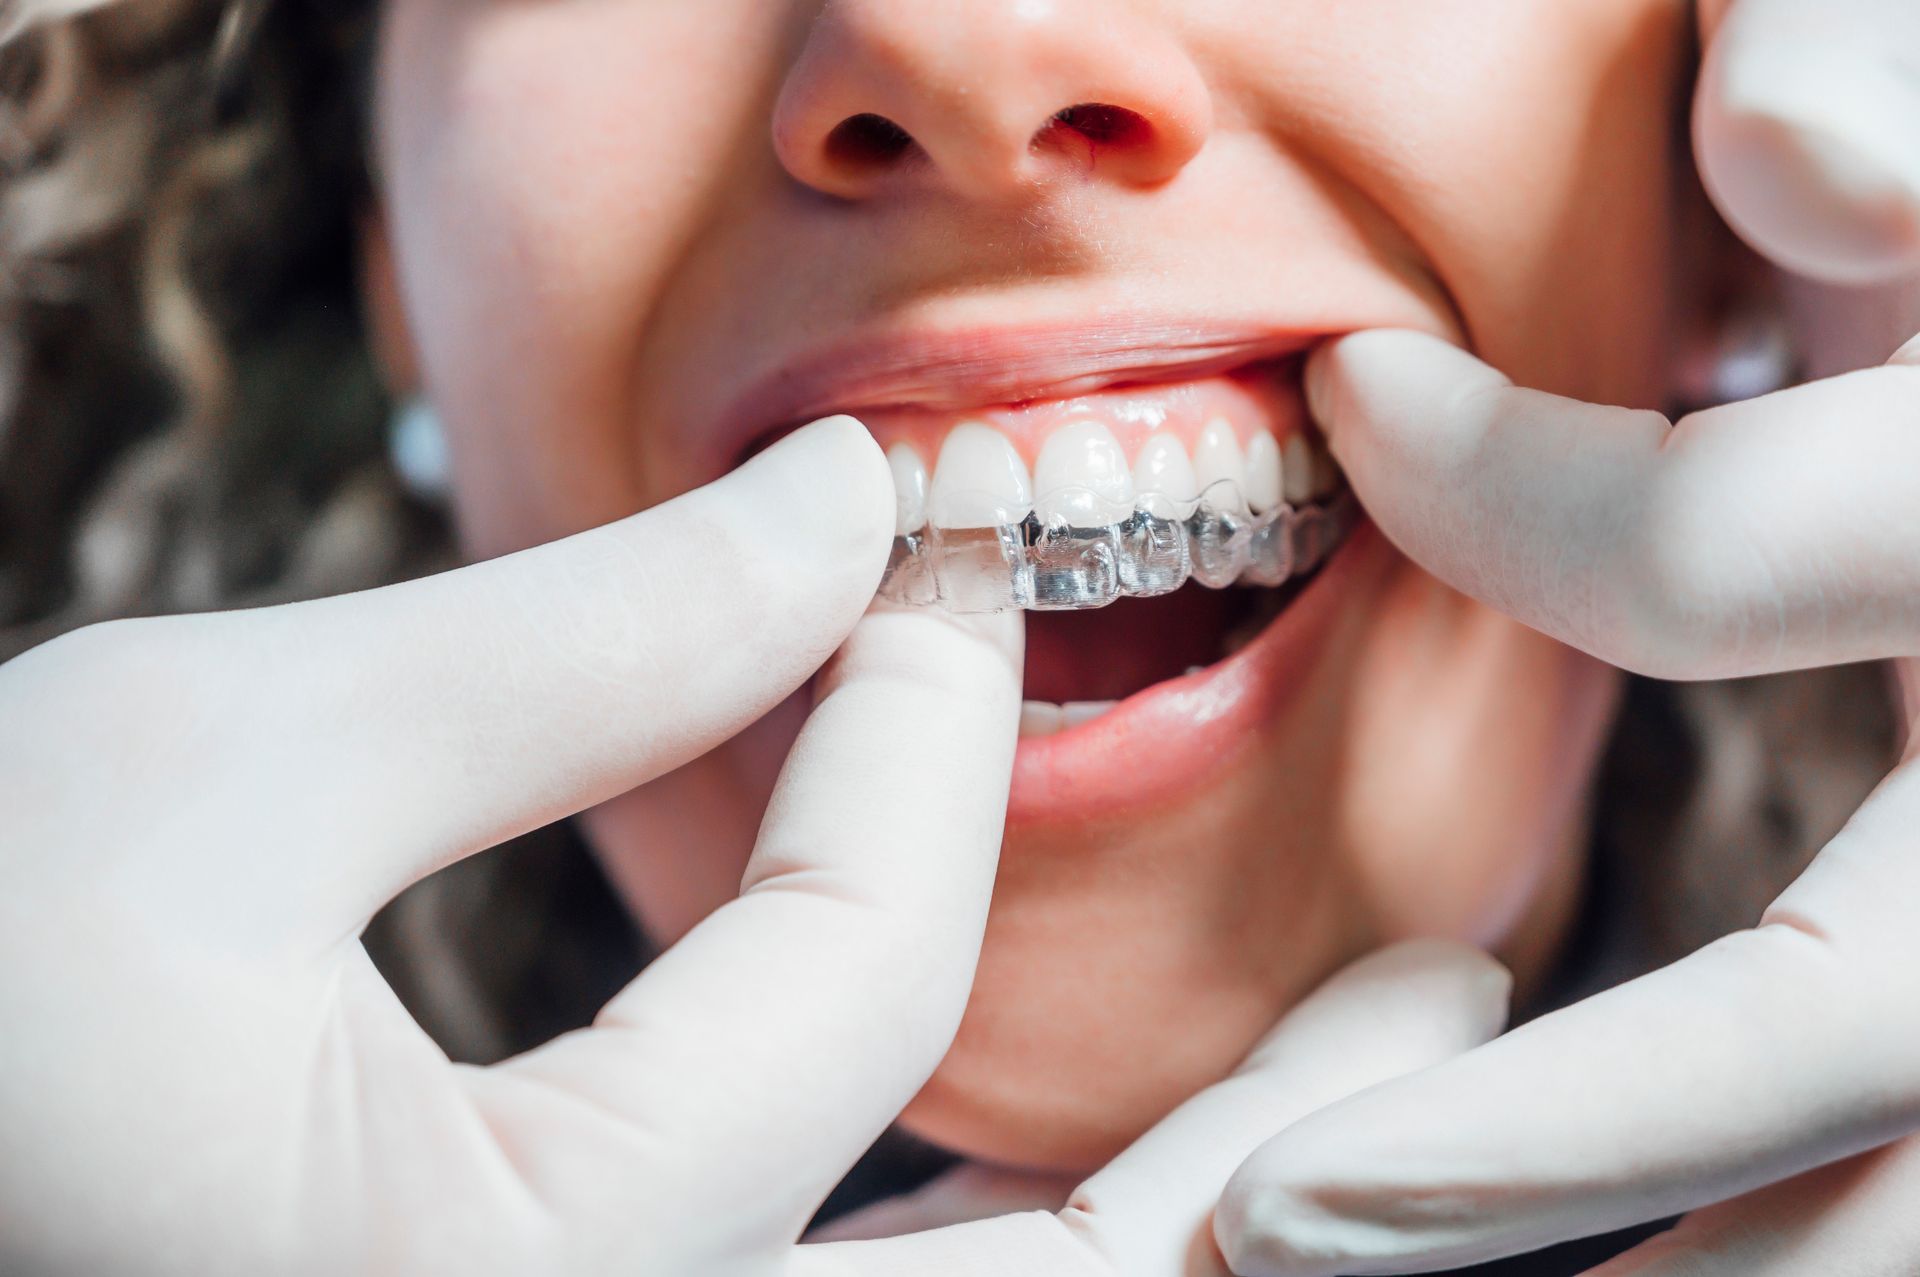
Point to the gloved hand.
(1769, 535)
(200, 1070)
(1775, 534)
(202, 1073)
(1146, 1213)
(1805, 126)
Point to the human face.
(636, 236)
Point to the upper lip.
(980, 368)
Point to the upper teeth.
(1217, 459)
(1265, 487)
(909, 489)
(1296, 469)
(1163, 467)
(979, 481)
(1082, 476)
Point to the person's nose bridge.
(990, 99)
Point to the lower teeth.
(1056, 566)
(1042, 718)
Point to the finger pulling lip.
(1171, 739)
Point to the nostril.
(867, 141)
(1100, 125)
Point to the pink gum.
(1252, 403)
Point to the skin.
(604, 218)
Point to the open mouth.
(1103, 514)
(1012, 449)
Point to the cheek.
(543, 173)
(1543, 194)
(1472, 740)
(1571, 283)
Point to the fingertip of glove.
(833, 471)
(1468, 976)
(1808, 155)
(827, 489)
(1435, 957)
(1362, 369)
(1253, 1225)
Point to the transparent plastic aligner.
(1049, 561)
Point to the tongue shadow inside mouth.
(1111, 653)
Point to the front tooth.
(1040, 718)
(979, 480)
(1264, 490)
(1082, 474)
(1297, 470)
(1163, 468)
(1217, 459)
(909, 489)
(1075, 713)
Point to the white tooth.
(979, 480)
(1297, 470)
(1040, 718)
(1218, 457)
(1194, 669)
(1082, 474)
(1263, 473)
(1077, 712)
(1162, 467)
(909, 489)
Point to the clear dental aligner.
(1080, 550)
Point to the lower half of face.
(1383, 759)
(1065, 259)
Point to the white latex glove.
(201, 1072)
(1807, 129)
(1147, 1213)
(1770, 535)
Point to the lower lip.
(1162, 744)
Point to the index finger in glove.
(764, 1052)
(1804, 124)
(1778, 533)
(1854, 1216)
(330, 753)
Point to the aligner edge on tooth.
(1046, 561)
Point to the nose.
(991, 99)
